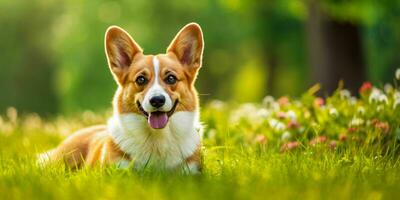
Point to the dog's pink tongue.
(158, 120)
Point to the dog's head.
(155, 86)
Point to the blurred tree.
(276, 31)
(336, 50)
(279, 28)
(347, 39)
(26, 80)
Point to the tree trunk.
(336, 51)
(272, 62)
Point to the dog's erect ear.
(120, 51)
(188, 45)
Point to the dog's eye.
(141, 80)
(171, 79)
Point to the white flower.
(374, 96)
(383, 99)
(263, 113)
(277, 125)
(396, 103)
(356, 122)
(333, 112)
(353, 100)
(388, 88)
(396, 95)
(217, 104)
(286, 135)
(245, 111)
(361, 110)
(297, 103)
(398, 74)
(344, 94)
(291, 114)
(268, 101)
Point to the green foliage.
(27, 61)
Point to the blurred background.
(52, 55)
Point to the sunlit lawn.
(340, 147)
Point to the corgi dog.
(155, 118)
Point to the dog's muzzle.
(157, 119)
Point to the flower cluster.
(370, 117)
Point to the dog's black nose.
(157, 101)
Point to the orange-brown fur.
(85, 147)
(95, 145)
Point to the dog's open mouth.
(157, 119)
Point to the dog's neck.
(161, 148)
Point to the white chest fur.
(161, 148)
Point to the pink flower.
(333, 144)
(293, 124)
(281, 115)
(318, 140)
(343, 137)
(318, 102)
(352, 129)
(283, 101)
(366, 87)
(374, 121)
(289, 146)
(260, 139)
(383, 126)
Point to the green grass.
(291, 148)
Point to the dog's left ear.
(188, 46)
